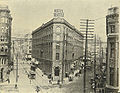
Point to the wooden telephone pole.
(95, 65)
(86, 27)
(16, 68)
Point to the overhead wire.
(37, 73)
(28, 74)
(39, 76)
(100, 18)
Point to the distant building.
(22, 45)
(5, 41)
(27, 46)
(112, 31)
(57, 45)
(16, 47)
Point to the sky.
(30, 14)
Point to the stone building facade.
(5, 40)
(112, 31)
(56, 44)
(28, 46)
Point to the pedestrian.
(58, 82)
(80, 72)
(30, 81)
(16, 86)
(60, 85)
(8, 80)
(50, 81)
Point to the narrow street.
(76, 86)
(41, 81)
(23, 80)
(26, 85)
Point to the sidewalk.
(6, 87)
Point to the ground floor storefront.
(107, 90)
(111, 89)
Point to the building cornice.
(112, 35)
(57, 21)
(4, 9)
(112, 15)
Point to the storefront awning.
(112, 87)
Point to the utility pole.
(100, 54)
(13, 54)
(95, 65)
(87, 26)
(100, 50)
(16, 68)
(66, 35)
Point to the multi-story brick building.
(5, 40)
(112, 31)
(56, 44)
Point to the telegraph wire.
(37, 73)
(38, 76)
(100, 18)
(28, 74)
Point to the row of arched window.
(4, 33)
(4, 20)
(3, 48)
(3, 38)
(3, 60)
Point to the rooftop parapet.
(4, 8)
(113, 10)
(57, 20)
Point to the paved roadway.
(24, 85)
(77, 85)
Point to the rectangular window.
(5, 20)
(57, 71)
(2, 20)
(111, 76)
(41, 53)
(57, 56)
(112, 28)
(112, 51)
(29, 51)
(30, 47)
(117, 76)
(57, 46)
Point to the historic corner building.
(5, 40)
(112, 31)
(56, 44)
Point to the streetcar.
(31, 74)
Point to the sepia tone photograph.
(59, 46)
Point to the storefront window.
(112, 28)
(57, 56)
(57, 70)
(57, 46)
(2, 20)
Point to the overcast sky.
(30, 14)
